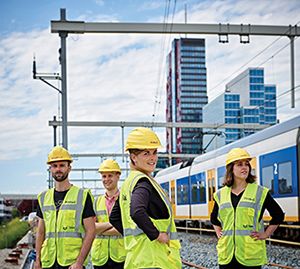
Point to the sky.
(117, 77)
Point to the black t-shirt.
(270, 204)
(88, 210)
(145, 203)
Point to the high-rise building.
(246, 100)
(186, 93)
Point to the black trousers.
(110, 264)
(57, 266)
(234, 264)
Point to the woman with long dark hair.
(237, 215)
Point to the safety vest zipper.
(234, 231)
(56, 260)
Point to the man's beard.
(59, 177)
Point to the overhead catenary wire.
(160, 61)
(262, 63)
(268, 100)
(158, 93)
(246, 74)
(245, 64)
(168, 42)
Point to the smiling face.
(145, 160)
(241, 169)
(110, 180)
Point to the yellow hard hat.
(142, 138)
(237, 154)
(59, 153)
(109, 166)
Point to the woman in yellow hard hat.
(143, 213)
(237, 215)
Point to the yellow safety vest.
(239, 223)
(105, 246)
(141, 251)
(63, 229)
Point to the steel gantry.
(64, 27)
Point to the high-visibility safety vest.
(105, 246)
(64, 231)
(141, 251)
(239, 223)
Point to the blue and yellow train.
(276, 163)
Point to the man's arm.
(89, 227)
(111, 231)
(40, 237)
(102, 227)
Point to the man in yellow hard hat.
(66, 226)
(108, 250)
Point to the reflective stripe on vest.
(236, 233)
(137, 231)
(63, 229)
(142, 252)
(106, 246)
(78, 207)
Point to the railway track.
(199, 251)
(280, 241)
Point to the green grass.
(12, 232)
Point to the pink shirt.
(110, 201)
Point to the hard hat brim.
(239, 159)
(59, 160)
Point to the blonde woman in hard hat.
(108, 250)
(66, 226)
(237, 215)
(143, 213)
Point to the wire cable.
(158, 92)
(254, 57)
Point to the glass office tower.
(246, 100)
(186, 93)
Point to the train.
(275, 161)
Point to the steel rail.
(211, 230)
(190, 264)
(279, 265)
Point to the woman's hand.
(259, 235)
(163, 238)
(218, 231)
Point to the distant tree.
(15, 213)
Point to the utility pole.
(63, 62)
(63, 78)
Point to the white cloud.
(151, 5)
(100, 2)
(114, 77)
(35, 174)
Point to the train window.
(278, 171)
(165, 187)
(198, 188)
(268, 178)
(221, 174)
(285, 178)
(182, 191)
